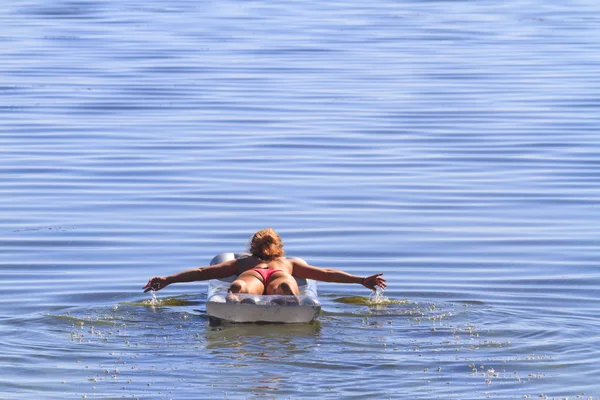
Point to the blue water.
(452, 145)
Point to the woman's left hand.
(374, 281)
(156, 283)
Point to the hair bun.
(266, 245)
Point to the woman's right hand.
(374, 281)
(156, 283)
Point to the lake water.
(452, 145)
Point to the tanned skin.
(281, 282)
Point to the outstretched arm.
(217, 271)
(303, 270)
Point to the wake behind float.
(261, 308)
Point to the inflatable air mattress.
(260, 308)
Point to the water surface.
(451, 145)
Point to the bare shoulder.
(299, 266)
(290, 265)
(230, 265)
(301, 269)
(296, 261)
(244, 264)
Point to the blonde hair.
(266, 245)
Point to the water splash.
(154, 300)
(377, 297)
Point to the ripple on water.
(452, 145)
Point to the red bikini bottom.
(265, 273)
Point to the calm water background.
(452, 145)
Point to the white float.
(261, 308)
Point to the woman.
(265, 271)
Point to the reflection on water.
(261, 340)
(369, 301)
(154, 302)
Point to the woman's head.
(266, 245)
